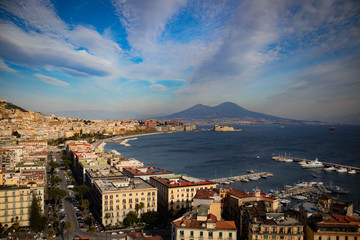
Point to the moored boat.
(329, 169)
(313, 164)
(351, 171)
(341, 170)
(337, 189)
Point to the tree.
(82, 189)
(150, 218)
(131, 218)
(67, 163)
(85, 205)
(56, 194)
(51, 233)
(54, 165)
(140, 207)
(92, 230)
(37, 222)
(68, 227)
(55, 180)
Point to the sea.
(207, 154)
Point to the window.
(319, 237)
(191, 233)
(220, 234)
(337, 237)
(210, 234)
(230, 235)
(201, 234)
(181, 233)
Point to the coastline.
(100, 145)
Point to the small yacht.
(351, 171)
(329, 169)
(341, 170)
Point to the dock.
(326, 164)
(238, 178)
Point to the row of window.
(130, 200)
(107, 208)
(130, 194)
(281, 230)
(337, 238)
(210, 234)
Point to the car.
(113, 233)
(121, 232)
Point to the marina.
(328, 166)
(243, 178)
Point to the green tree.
(150, 218)
(37, 222)
(92, 230)
(56, 194)
(131, 218)
(139, 207)
(85, 204)
(82, 189)
(54, 165)
(55, 180)
(67, 163)
(68, 227)
(51, 233)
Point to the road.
(76, 231)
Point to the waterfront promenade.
(100, 144)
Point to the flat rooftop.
(182, 181)
(144, 171)
(122, 184)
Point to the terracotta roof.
(204, 194)
(193, 223)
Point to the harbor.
(324, 164)
(243, 178)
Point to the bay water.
(209, 154)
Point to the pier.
(239, 178)
(327, 164)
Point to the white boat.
(254, 178)
(250, 171)
(341, 170)
(329, 169)
(244, 180)
(288, 160)
(351, 171)
(313, 164)
(302, 163)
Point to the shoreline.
(101, 145)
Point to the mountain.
(100, 115)
(226, 112)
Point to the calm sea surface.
(208, 155)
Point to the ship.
(313, 164)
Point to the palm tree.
(68, 227)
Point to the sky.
(293, 59)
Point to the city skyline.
(295, 60)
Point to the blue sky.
(294, 59)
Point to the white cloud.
(158, 87)
(5, 67)
(51, 80)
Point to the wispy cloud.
(158, 87)
(51, 80)
(5, 67)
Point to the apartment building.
(259, 224)
(15, 203)
(323, 226)
(114, 199)
(177, 191)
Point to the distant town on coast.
(58, 182)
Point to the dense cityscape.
(57, 182)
